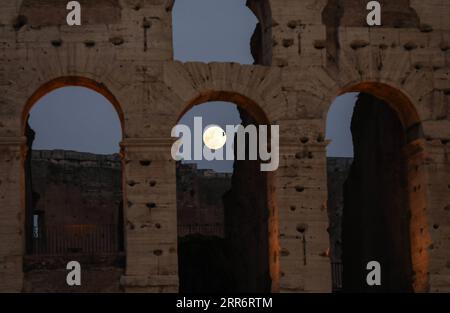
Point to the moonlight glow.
(214, 137)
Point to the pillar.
(438, 208)
(12, 213)
(302, 196)
(150, 216)
(420, 240)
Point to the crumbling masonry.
(307, 52)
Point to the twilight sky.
(76, 118)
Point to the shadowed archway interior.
(73, 192)
(241, 250)
(375, 207)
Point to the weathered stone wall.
(338, 170)
(54, 12)
(129, 59)
(77, 198)
(76, 188)
(73, 188)
(49, 274)
(199, 201)
(100, 273)
(94, 280)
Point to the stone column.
(12, 213)
(150, 216)
(301, 199)
(438, 173)
(420, 240)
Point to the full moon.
(214, 137)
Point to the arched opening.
(226, 213)
(377, 198)
(73, 190)
(222, 31)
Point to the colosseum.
(278, 226)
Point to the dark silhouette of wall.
(376, 211)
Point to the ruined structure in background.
(77, 203)
(76, 214)
(77, 209)
(306, 53)
(78, 199)
(338, 170)
(199, 200)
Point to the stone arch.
(257, 89)
(25, 168)
(413, 155)
(247, 104)
(67, 81)
(252, 111)
(397, 99)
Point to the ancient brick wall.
(200, 200)
(73, 188)
(128, 57)
(338, 170)
(101, 273)
(75, 203)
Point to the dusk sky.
(76, 118)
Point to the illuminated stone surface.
(305, 59)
